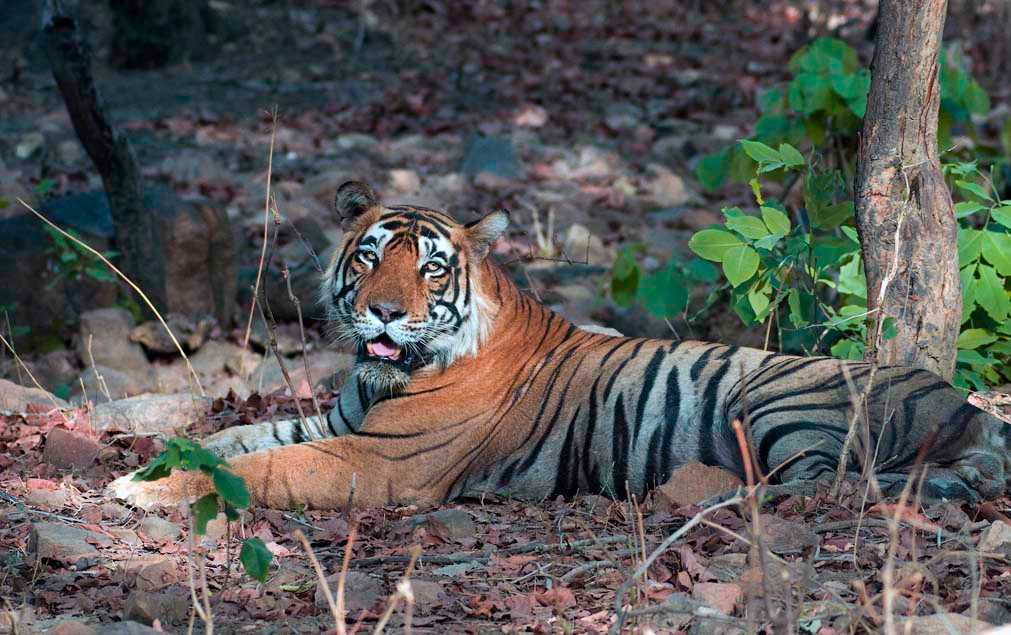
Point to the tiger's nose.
(387, 311)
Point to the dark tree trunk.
(908, 233)
(150, 34)
(137, 236)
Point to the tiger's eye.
(433, 269)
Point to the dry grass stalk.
(21, 364)
(266, 220)
(337, 618)
(342, 580)
(404, 592)
(137, 290)
(104, 387)
(201, 604)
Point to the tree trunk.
(137, 237)
(904, 213)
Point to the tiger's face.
(404, 286)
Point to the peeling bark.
(904, 213)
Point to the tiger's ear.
(353, 200)
(482, 233)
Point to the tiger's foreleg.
(347, 416)
(316, 475)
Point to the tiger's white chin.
(382, 376)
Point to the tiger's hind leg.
(800, 430)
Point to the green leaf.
(970, 245)
(713, 169)
(739, 264)
(756, 190)
(776, 221)
(848, 349)
(796, 311)
(967, 276)
(973, 358)
(791, 156)
(702, 270)
(625, 277)
(976, 99)
(255, 558)
(853, 88)
(664, 293)
(230, 487)
(748, 226)
(770, 99)
(967, 208)
(712, 244)
(760, 153)
(851, 233)
(990, 294)
(971, 339)
(205, 509)
(997, 251)
(759, 301)
(975, 189)
(1001, 214)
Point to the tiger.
(465, 385)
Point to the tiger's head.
(403, 287)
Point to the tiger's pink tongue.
(381, 349)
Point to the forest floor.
(600, 115)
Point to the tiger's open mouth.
(384, 348)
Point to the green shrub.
(800, 268)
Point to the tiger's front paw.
(164, 492)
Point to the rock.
(941, 624)
(96, 380)
(491, 154)
(723, 597)
(15, 398)
(40, 296)
(323, 364)
(114, 511)
(190, 332)
(590, 163)
(449, 524)
(52, 499)
(69, 152)
(664, 188)
(150, 414)
(171, 605)
(158, 528)
(125, 536)
(173, 377)
(73, 627)
(996, 537)
(288, 340)
(201, 267)
(217, 356)
(104, 340)
(70, 450)
(29, 144)
(56, 368)
(157, 574)
(692, 483)
(127, 628)
(403, 182)
(623, 116)
(361, 592)
(355, 141)
(64, 543)
(428, 594)
(582, 246)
